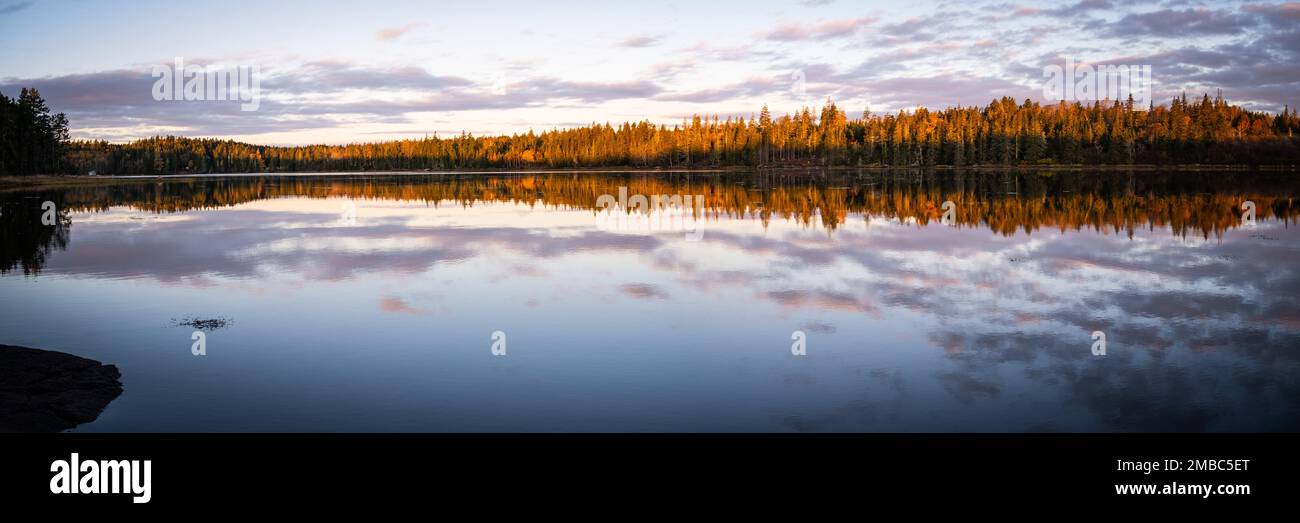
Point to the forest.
(1206, 131)
(32, 140)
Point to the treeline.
(31, 139)
(1208, 131)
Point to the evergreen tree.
(1004, 132)
(32, 140)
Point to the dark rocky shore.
(47, 391)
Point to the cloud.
(394, 33)
(705, 52)
(1083, 6)
(945, 91)
(328, 76)
(590, 92)
(1174, 22)
(639, 41)
(759, 85)
(14, 7)
(1285, 16)
(1077, 9)
(78, 92)
(917, 28)
(1262, 74)
(962, 54)
(119, 104)
(818, 31)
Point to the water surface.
(369, 302)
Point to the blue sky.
(337, 72)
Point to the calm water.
(368, 303)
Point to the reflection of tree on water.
(1204, 204)
(24, 240)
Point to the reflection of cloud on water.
(394, 304)
(643, 291)
(1201, 333)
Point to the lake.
(916, 300)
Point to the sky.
(343, 72)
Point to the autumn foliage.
(1208, 131)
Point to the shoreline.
(57, 180)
